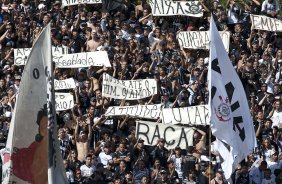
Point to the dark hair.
(41, 113)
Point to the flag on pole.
(25, 158)
(230, 117)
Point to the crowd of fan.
(99, 149)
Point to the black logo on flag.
(223, 110)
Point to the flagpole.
(210, 163)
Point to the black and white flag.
(231, 121)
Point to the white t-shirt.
(87, 171)
(276, 118)
(104, 158)
(178, 165)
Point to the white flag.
(230, 115)
(25, 158)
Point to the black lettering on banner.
(171, 142)
(90, 61)
(138, 133)
(264, 23)
(147, 85)
(207, 38)
(190, 39)
(202, 44)
(277, 24)
(195, 39)
(124, 92)
(254, 20)
(156, 134)
(180, 41)
(113, 90)
(183, 136)
(111, 111)
(197, 114)
(206, 112)
(35, 73)
(271, 24)
(175, 115)
(131, 110)
(157, 8)
(122, 110)
(70, 104)
(147, 110)
(188, 115)
(168, 4)
(179, 7)
(155, 108)
(142, 107)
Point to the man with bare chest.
(94, 43)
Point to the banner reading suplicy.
(200, 39)
(64, 101)
(173, 135)
(168, 8)
(141, 111)
(194, 115)
(84, 59)
(261, 22)
(128, 89)
(75, 2)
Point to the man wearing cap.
(139, 152)
(161, 152)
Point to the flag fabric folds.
(230, 117)
(25, 158)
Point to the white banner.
(200, 39)
(21, 54)
(64, 101)
(75, 2)
(128, 89)
(141, 111)
(194, 115)
(261, 22)
(84, 59)
(64, 84)
(173, 135)
(168, 8)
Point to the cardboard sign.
(64, 84)
(141, 111)
(76, 2)
(261, 22)
(64, 101)
(194, 115)
(128, 89)
(169, 8)
(84, 59)
(200, 39)
(173, 135)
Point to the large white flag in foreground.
(25, 158)
(230, 116)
